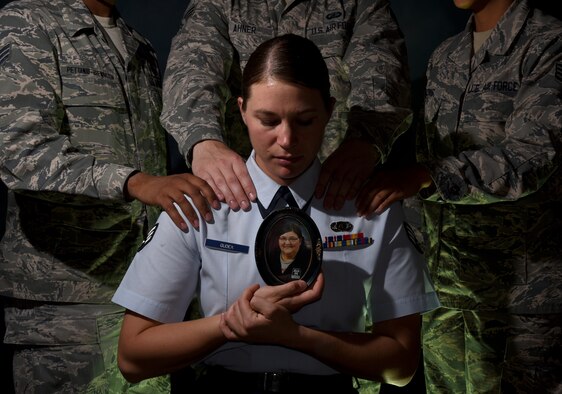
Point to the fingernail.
(244, 205)
(208, 217)
(252, 196)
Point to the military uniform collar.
(77, 17)
(500, 41)
(508, 27)
(302, 188)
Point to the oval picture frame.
(270, 239)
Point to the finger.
(248, 188)
(233, 319)
(363, 200)
(332, 191)
(211, 182)
(187, 209)
(367, 194)
(323, 181)
(249, 291)
(378, 199)
(200, 202)
(224, 183)
(277, 293)
(317, 286)
(226, 331)
(340, 195)
(356, 182)
(310, 295)
(235, 196)
(388, 201)
(173, 213)
(206, 190)
(244, 313)
(260, 306)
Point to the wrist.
(129, 185)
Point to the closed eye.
(269, 121)
(305, 122)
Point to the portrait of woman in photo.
(290, 259)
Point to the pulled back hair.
(287, 58)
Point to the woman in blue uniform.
(360, 317)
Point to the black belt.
(222, 379)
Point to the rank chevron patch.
(4, 53)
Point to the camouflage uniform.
(76, 119)
(493, 146)
(361, 43)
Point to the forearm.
(195, 78)
(379, 100)
(377, 358)
(158, 349)
(42, 147)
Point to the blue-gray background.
(425, 24)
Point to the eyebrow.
(271, 113)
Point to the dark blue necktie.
(283, 193)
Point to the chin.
(288, 177)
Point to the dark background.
(425, 24)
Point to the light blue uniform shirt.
(384, 280)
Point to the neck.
(100, 7)
(285, 257)
(486, 17)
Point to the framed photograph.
(288, 247)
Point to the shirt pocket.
(96, 115)
(484, 117)
(493, 253)
(84, 85)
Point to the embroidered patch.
(415, 237)
(558, 73)
(5, 53)
(339, 227)
(149, 237)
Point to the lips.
(286, 160)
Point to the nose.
(286, 136)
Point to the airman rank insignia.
(4, 53)
(415, 237)
(346, 241)
(339, 227)
(149, 237)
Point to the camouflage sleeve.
(376, 58)
(530, 153)
(195, 80)
(35, 151)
